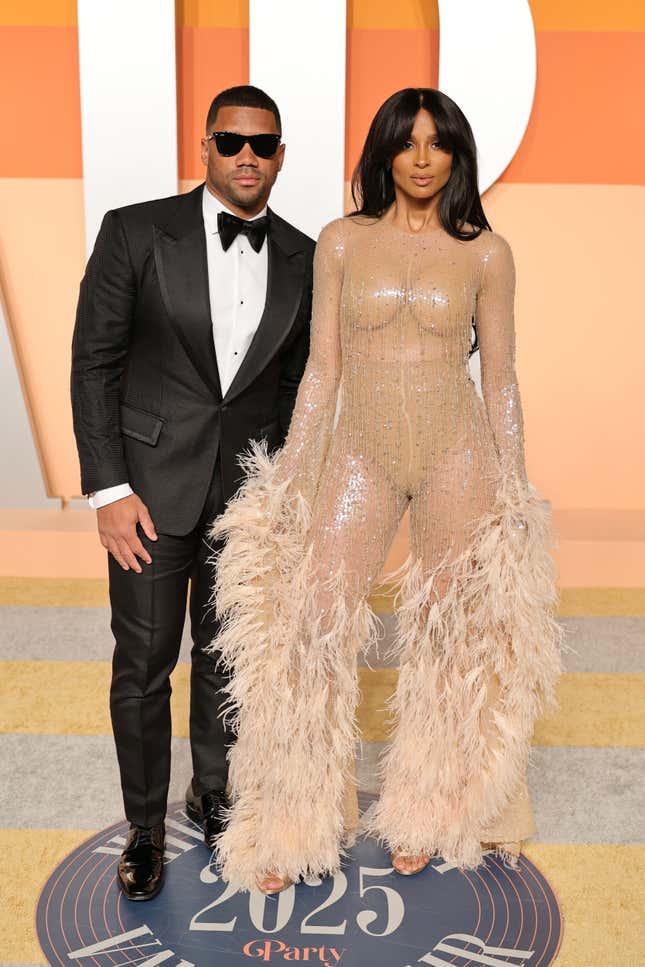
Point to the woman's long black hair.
(372, 182)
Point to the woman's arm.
(496, 335)
(306, 446)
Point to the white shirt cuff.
(101, 498)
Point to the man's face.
(244, 182)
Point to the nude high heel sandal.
(264, 884)
(398, 859)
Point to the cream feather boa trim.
(294, 689)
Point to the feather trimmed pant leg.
(479, 659)
(292, 600)
(480, 655)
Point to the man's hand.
(117, 524)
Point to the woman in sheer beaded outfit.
(397, 287)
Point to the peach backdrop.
(571, 203)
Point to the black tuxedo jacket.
(146, 397)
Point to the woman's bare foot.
(407, 865)
(272, 883)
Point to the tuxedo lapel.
(285, 284)
(182, 268)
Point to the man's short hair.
(244, 95)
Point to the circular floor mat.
(366, 916)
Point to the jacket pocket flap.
(140, 425)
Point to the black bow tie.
(230, 226)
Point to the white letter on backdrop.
(297, 55)
(487, 65)
(128, 104)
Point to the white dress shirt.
(237, 283)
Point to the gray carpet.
(580, 795)
(83, 634)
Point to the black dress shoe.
(140, 870)
(208, 812)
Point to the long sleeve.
(313, 417)
(496, 335)
(295, 359)
(104, 320)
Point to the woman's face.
(422, 168)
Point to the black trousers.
(148, 612)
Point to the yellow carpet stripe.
(596, 886)
(71, 698)
(93, 593)
(596, 710)
(597, 889)
(27, 857)
(54, 592)
(601, 602)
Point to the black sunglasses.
(228, 143)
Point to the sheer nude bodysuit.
(309, 534)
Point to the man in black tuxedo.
(191, 337)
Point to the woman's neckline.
(423, 233)
(389, 226)
(437, 230)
